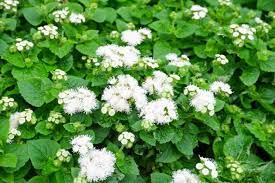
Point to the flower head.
(198, 12)
(221, 87)
(82, 144)
(204, 101)
(49, 31)
(207, 167)
(184, 176)
(77, 18)
(127, 139)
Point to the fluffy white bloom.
(117, 96)
(159, 83)
(59, 74)
(148, 62)
(204, 101)
(207, 167)
(19, 118)
(56, 118)
(7, 103)
(181, 61)
(241, 33)
(191, 90)
(127, 139)
(77, 100)
(198, 12)
(115, 56)
(9, 5)
(63, 155)
(184, 176)
(160, 111)
(49, 31)
(60, 15)
(221, 59)
(225, 2)
(23, 45)
(82, 144)
(97, 165)
(221, 87)
(77, 18)
(135, 37)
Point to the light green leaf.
(127, 165)
(157, 177)
(33, 15)
(250, 75)
(8, 160)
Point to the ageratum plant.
(137, 91)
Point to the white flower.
(220, 87)
(23, 45)
(204, 101)
(198, 12)
(59, 74)
(56, 118)
(242, 33)
(115, 56)
(127, 139)
(184, 176)
(207, 166)
(119, 94)
(7, 103)
(77, 18)
(63, 155)
(181, 61)
(82, 144)
(77, 100)
(148, 62)
(131, 37)
(262, 26)
(145, 32)
(191, 90)
(9, 5)
(160, 111)
(97, 165)
(221, 59)
(159, 84)
(60, 15)
(49, 31)
(225, 2)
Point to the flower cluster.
(56, 118)
(114, 34)
(63, 155)
(198, 12)
(160, 111)
(147, 125)
(7, 103)
(204, 101)
(114, 56)
(181, 61)
(184, 176)
(49, 31)
(127, 139)
(77, 100)
(19, 118)
(60, 15)
(90, 61)
(23, 45)
(82, 144)
(221, 87)
(235, 167)
(262, 26)
(207, 167)
(225, 2)
(160, 84)
(146, 62)
(59, 74)
(9, 5)
(221, 59)
(241, 33)
(191, 90)
(123, 90)
(77, 18)
(135, 37)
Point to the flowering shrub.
(133, 91)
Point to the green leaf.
(157, 177)
(33, 15)
(21, 152)
(4, 129)
(169, 154)
(8, 160)
(104, 14)
(101, 134)
(268, 65)
(74, 81)
(3, 46)
(185, 29)
(39, 179)
(267, 5)
(187, 144)
(250, 75)
(41, 128)
(42, 151)
(36, 90)
(36, 71)
(164, 134)
(147, 137)
(88, 48)
(61, 49)
(127, 165)
(257, 130)
(162, 48)
(15, 59)
(161, 26)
